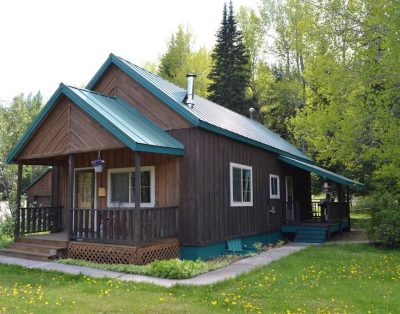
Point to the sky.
(46, 42)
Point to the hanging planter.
(98, 164)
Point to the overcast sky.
(45, 42)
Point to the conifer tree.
(230, 73)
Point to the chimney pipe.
(190, 89)
(251, 110)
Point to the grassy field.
(326, 279)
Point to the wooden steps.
(35, 248)
(308, 235)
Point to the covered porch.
(316, 220)
(113, 205)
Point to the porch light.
(98, 164)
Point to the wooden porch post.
(18, 201)
(138, 212)
(54, 199)
(70, 193)
(137, 180)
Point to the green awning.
(326, 174)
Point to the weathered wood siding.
(67, 129)
(40, 191)
(115, 82)
(166, 172)
(205, 212)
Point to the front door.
(289, 198)
(84, 189)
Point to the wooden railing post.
(18, 201)
(70, 194)
(138, 220)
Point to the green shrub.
(384, 226)
(177, 269)
(172, 269)
(7, 227)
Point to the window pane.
(145, 195)
(120, 187)
(274, 186)
(246, 182)
(237, 185)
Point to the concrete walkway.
(230, 271)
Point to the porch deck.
(317, 225)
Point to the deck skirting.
(124, 254)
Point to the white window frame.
(274, 196)
(131, 170)
(242, 167)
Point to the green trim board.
(118, 117)
(213, 250)
(205, 114)
(326, 174)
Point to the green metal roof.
(326, 174)
(117, 116)
(205, 114)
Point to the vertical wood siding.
(67, 129)
(205, 212)
(166, 172)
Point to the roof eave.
(20, 144)
(334, 177)
(246, 140)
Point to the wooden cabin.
(207, 175)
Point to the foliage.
(173, 268)
(230, 72)
(14, 120)
(307, 281)
(7, 227)
(175, 58)
(384, 225)
(180, 59)
(253, 31)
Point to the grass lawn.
(352, 278)
(359, 219)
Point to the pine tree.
(230, 73)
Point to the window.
(241, 184)
(121, 187)
(274, 191)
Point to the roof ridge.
(160, 77)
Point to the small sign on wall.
(102, 192)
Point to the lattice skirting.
(164, 249)
(122, 254)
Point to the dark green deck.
(314, 232)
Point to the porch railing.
(123, 225)
(38, 219)
(330, 212)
